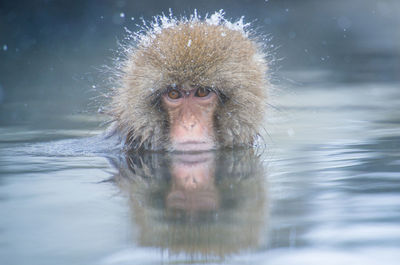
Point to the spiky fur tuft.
(211, 52)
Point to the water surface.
(324, 189)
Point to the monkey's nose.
(189, 125)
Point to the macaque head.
(191, 85)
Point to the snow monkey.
(191, 84)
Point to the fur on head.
(210, 52)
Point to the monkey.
(191, 84)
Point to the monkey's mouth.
(193, 146)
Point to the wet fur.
(216, 56)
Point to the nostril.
(188, 125)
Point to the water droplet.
(5, 47)
(122, 14)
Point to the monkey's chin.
(192, 146)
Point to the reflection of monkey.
(192, 186)
(191, 85)
(206, 205)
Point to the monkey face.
(153, 115)
(190, 112)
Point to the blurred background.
(51, 51)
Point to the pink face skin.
(191, 114)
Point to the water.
(326, 189)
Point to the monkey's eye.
(202, 92)
(174, 94)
